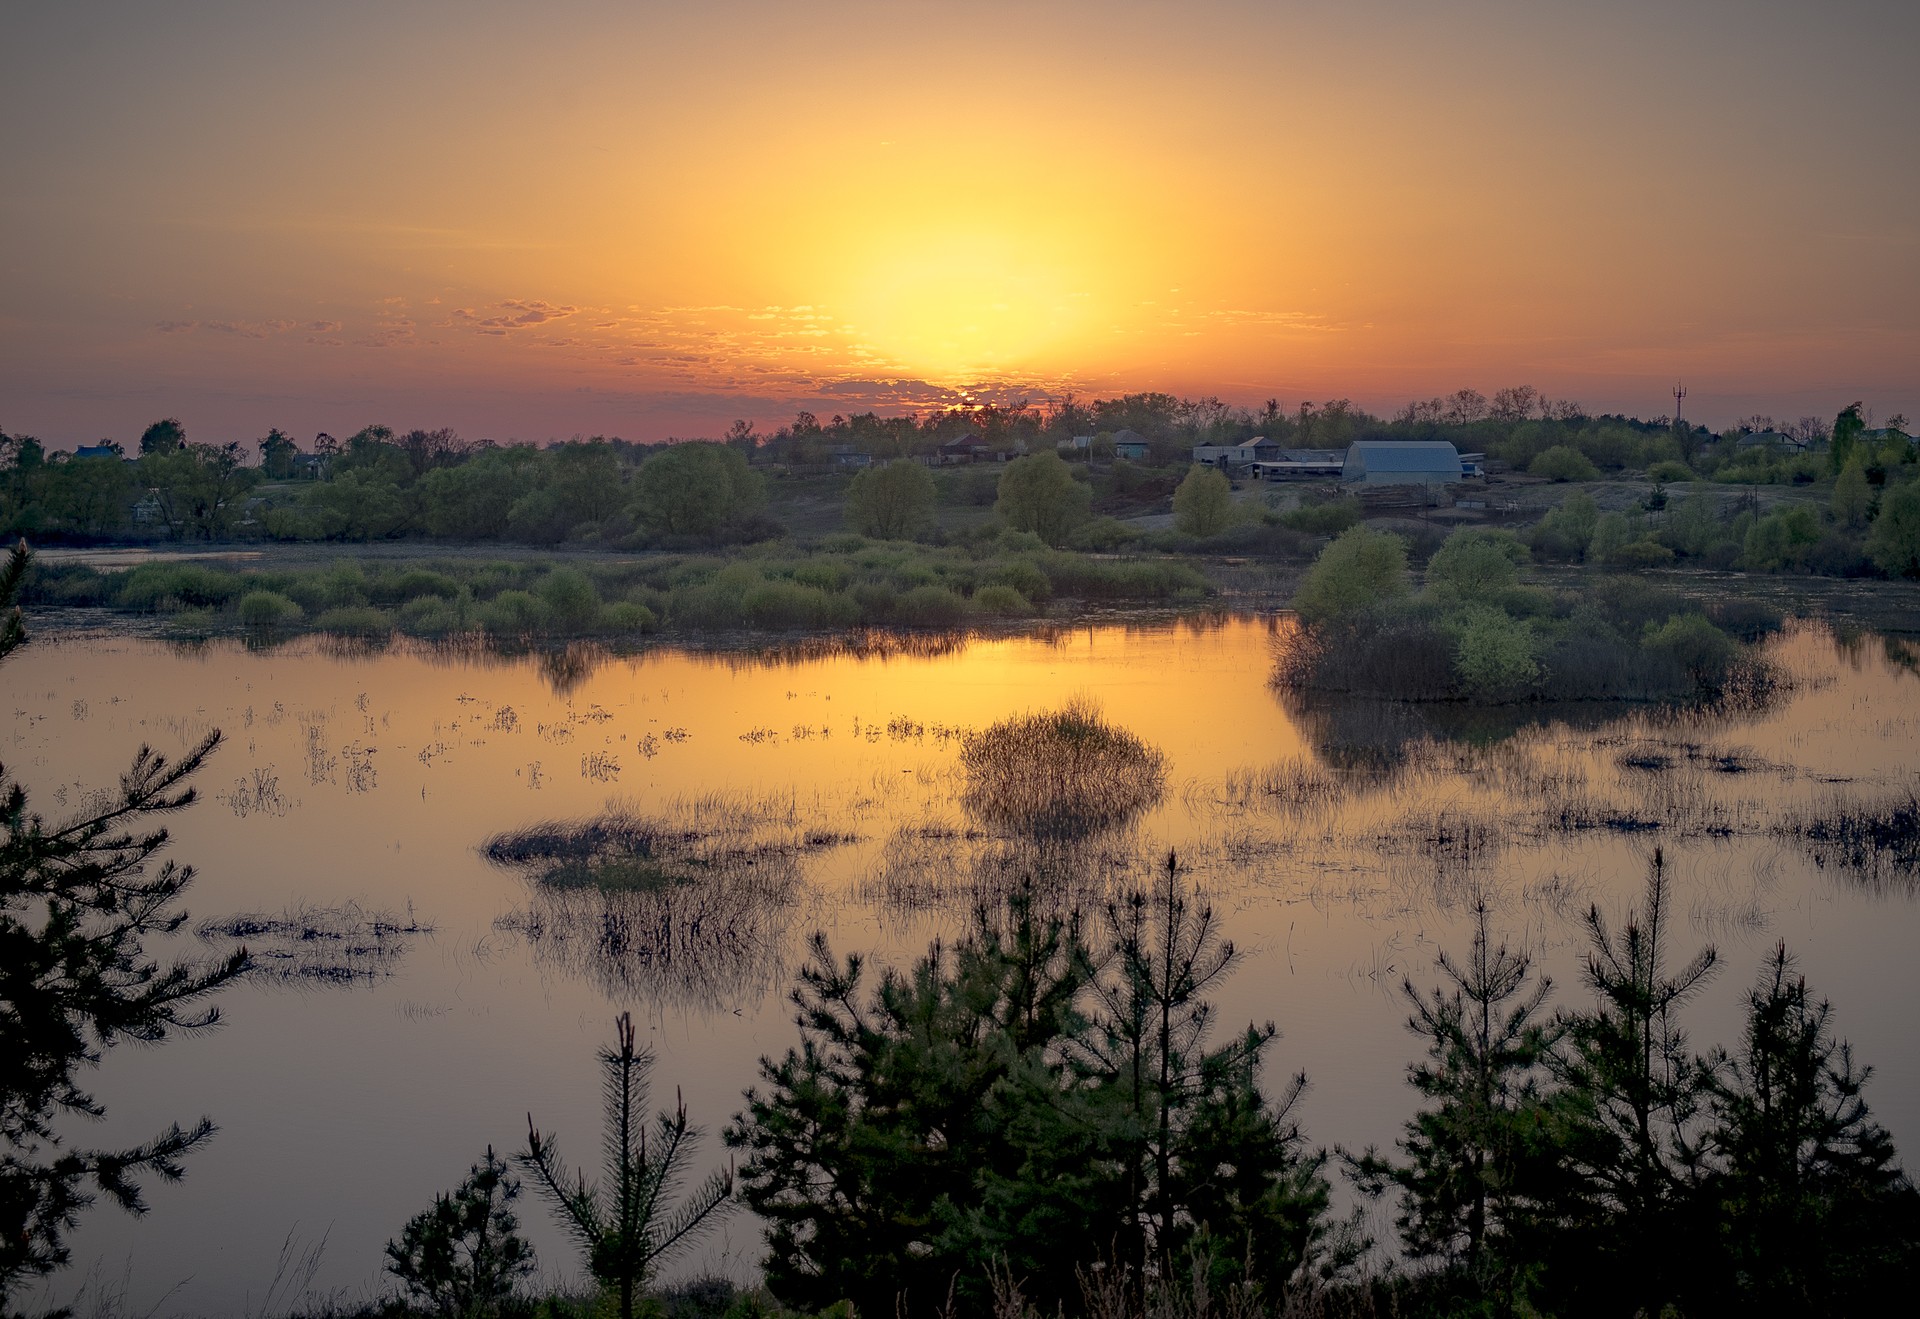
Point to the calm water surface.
(1344, 847)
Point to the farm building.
(1401, 462)
(1300, 464)
(1257, 449)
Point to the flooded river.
(1346, 845)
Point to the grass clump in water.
(1068, 772)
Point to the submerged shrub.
(1066, 773)
(430, 616)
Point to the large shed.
(1401, 462)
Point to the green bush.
(1563, 462)
(1360, 569)
(1637, 555)
(784, 604)
(1782, 539)
(1001, 601)
(1669, 470)
(171, 586)
(512, 614)
(1566, 531)
(1323, 519)
(429, 616)
(930, 606)
(1495, 655)
(266, 610)
(1695, 644)
(572, 605)
(398, 588)
(1023, 576)
(1102, 535)
(1476, 563)
(623, 616)
(1894, 542)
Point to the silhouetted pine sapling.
(464, 1257)
(1471, 1152)
(13, 575)
(1815, 1216)
(1634, 1139)
(76, 906)
(626, 1223)
(1211, 1165)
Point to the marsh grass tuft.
(1067, 773)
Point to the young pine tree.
(463, 1257)
(78, 903)
(1473, 1154)
(627, 1225)
(1634, 1088)
(1815, 1216)
(1209, 1164)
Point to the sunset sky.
(609, 216)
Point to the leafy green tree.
(277, 452)
(200, 488)
(475, 500)
(464, 1257)
(78, 901)
(628, 1225)
(891, 502)
(1852, 497)
(696, 489)
(1894, 541)
(1634, 1139)
(163, 437)
(89, 495)
(1472, 1156)
(1037, 493)
(1360, 569)
(1203, 505)
(1476, 563)
(1848, 427)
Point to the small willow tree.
(626, 1224)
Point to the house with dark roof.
(1401, 462)
(964, 449)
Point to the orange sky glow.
(647, 219)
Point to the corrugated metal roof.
(1404, 456)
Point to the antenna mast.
(1679, 393)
